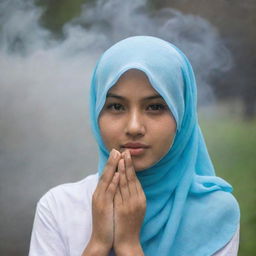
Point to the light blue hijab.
(190, 211)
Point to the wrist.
(129, 250)
(95, 248)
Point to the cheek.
(165, 131)
(109, 130)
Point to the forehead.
(133, 82)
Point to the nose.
(135, 126)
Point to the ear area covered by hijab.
(190, 211)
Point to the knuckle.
(109, 164)
(131, 178)
(123, 185)
(111, 189)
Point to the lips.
(135, 148)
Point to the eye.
(115, 107)
(157, 107)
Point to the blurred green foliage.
(58, 12)
(231, 144)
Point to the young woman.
(155, 192)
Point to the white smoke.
(44, 82)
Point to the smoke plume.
(44, 83)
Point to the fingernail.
(122, 167)
(127, 154)
(114, 153)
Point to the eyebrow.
(112, 95)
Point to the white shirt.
(62, 224)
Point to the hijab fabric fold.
(189, 211)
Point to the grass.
(232, 145)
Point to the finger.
(138, 185)
(109, 170)
(123, 180)
(112, 188)
(130, 173)
(118, 198)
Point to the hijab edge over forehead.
(151, 79)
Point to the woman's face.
(136, 117)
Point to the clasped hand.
(118, 207)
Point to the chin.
(140, 167)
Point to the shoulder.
(70, 194)
(231, 248)
(222, 203)
(221, 208)
(225, 204)
(216, 214)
